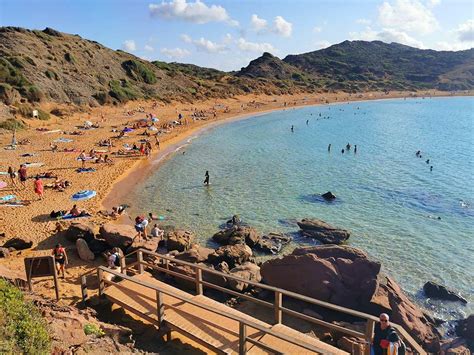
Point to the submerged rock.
(272, 243)
(322, 231)
(437, 291)
(328, 196)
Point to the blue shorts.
(139, 228)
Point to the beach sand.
(112, 181)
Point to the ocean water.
(386, 196)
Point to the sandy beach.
(112, 181)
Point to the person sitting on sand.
(107, 160)
(60, 258)
(76, 212)
(54, 147)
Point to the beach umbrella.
(127, 129)
(3, 184)
(154, 119)
(83, 195)
(152, 128)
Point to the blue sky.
(227, 34)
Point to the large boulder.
(347, 277)
(322, 231)
(328, 196)
(18, 244)
(179, 240)
(465, 328)
(237, 235)
(80, 230)
(196, 254)
(118, 235)
(232, 254)
(272, 243)
(437, 291)
(248, 271)
(98, 246)
(150, 244)
(83, 250)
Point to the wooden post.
(278, 305)
(198, 275)
(52, 264)
(242, 339)
(369, 331)
(140, 262)
(159, 307)
(123, 265)
(100, 277)
(84, 287)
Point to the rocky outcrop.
(272, 243)
(465, 328)
(80, 230)
(83, 250)
(347, 277)
(150, 244)
(437, 291)
(179, 239)
(456, 346)
(322, 231)
(237, 235)
(18, 244)
(196, 254)
(231, 254)
(246, 271)
(98, 246)
(118, 235)
(328, 196)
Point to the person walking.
(12, 175)
(39, 188)
(22, 175)
(60, 259)
(384, 334)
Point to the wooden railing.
(244, 324)
(277, 304)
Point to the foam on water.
(387, 197)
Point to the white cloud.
(386, 35)
(322, 44)
(254, 47)
(129, 45)
(282, 27)
(407, 16)
(452, 46)
(148, 48)
(465, 31)
(227, 38)
(363, 21)
(258, 24)
(196, 12)
(208, 46)
(175, 52)
(317, 29)
(185, 38)
(433, 3)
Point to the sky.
(227, 34)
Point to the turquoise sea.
(386, 196)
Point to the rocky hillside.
(52, 66)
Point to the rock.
(150, 244)
(248, 271)
(218, 280)
(179, 240)
(196, 254)
(437, 291)
(118, 235)
(18, 244)
(311, 313)
(83, 250)
(4, 252)
(237, 235)
(272, 243)
(456, 346)
(98, 246)
(80, 230)
(465, 328)
(327, 272)
(186, 271)
(232, 254)
(322, 231)
(352, 345)
(328, 196)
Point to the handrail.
(189, 300)
(371, 320)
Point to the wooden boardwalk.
(220, 333)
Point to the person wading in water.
(206, 178)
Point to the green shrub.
(17, 62)
(101, 97)
(11, 75)
(51, 74)
(24, 110)
(21, 327)
(30, 60)
(93, 329)
(70, 58)
(11, 124)
(122, 90)
(34, 94)
(43, 115)
(138, 71)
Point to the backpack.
(117, 259)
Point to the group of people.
(427, 161)
(141, 224)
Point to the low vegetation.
(22, 329)
(138, 71)
(12, 124)
(122, 90)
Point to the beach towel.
(63, 140)
(85, 170)
(53, 131)
(70, 216)
(86, 158)
(10, 147)
(31, 165)
(7, 198)
(28, 155)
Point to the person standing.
(12, 175)
(384, 334)
(329, 148)
(60, 259)
(22, 175)
(82, 158)
(39, 189)
(206, 178)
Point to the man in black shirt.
(384, 334)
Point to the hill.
(52, 66)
